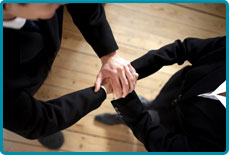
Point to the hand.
(120, 72)
(107, 84)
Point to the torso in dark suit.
(197, 123)
(28, 56)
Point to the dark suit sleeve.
(191, 49)
(33, 119)
(154, 136)
(92, 22)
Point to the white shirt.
(214, 95)
(16, 23)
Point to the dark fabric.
(54, 141)
(28, 56)
(187, 122)
(94, 27)
(31, 26)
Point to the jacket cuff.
(105, 46)
(130, 108)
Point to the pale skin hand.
(107, 84)
(120, 72)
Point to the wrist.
(104, 89)
(105, 58)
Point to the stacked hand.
(117, 75)
(107, 84)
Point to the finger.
(98, 82)
(116, 86)
(114, 94)
(132, 70)
(124, 82)
(131, 79)
(136, 75)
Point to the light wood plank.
(11, 146)
(178, 15)
(73, 141)
(218, 9)
(150, 25)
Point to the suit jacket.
(28, 56)
(199, 124)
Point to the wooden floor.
(137, 29)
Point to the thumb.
(98, 82)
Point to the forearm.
(91, 21)
(193, 50)
(33, 119)
(154, 60)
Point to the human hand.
(120, 72)
(107, 84)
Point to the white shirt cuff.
(104, 89)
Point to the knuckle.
(120, 68)
(113, 72)
(134, 71)
(126, 67)
(126, 84)
(132, 80)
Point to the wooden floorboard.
(137, 28)
(73, 141)
(214, 9)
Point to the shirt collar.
(16, 23)
(215, 94)
(221, 88)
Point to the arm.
(92, 23)
(154, 136)
(191, 49)
(33, 119)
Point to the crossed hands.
(116, 75)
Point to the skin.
(30, 11)
(107, 84)
(118, 70)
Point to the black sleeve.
(191, 49)
(33, 119)
(92, 22)
(154, 136)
